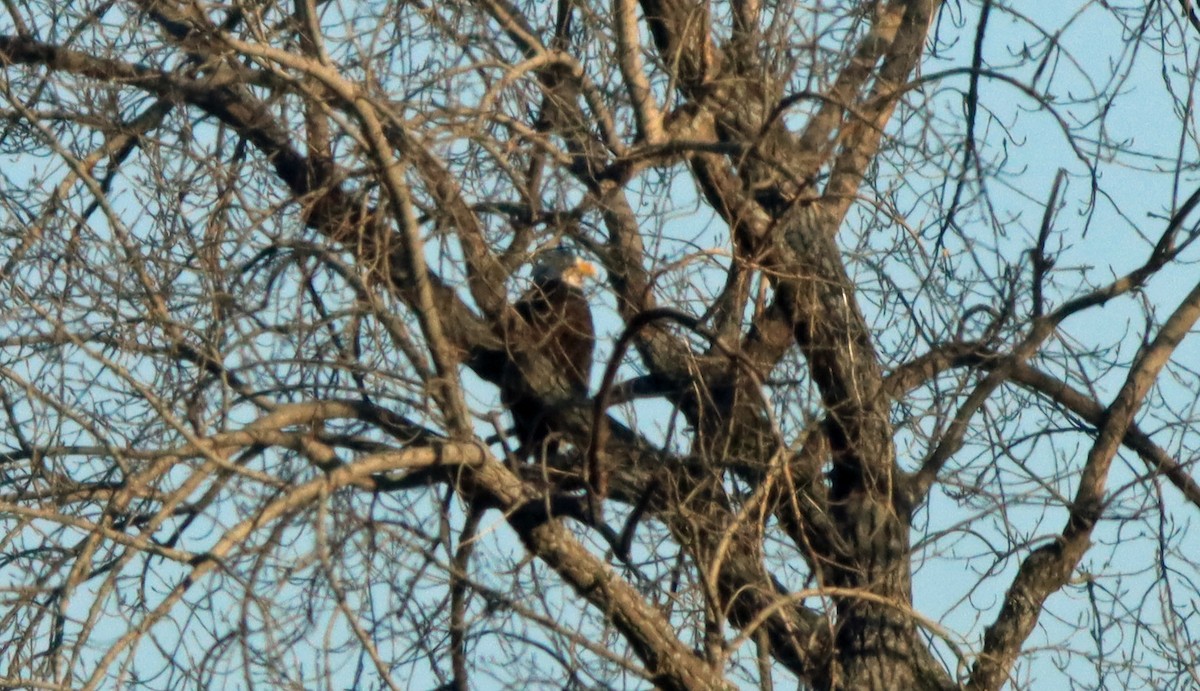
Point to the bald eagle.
(550, 338)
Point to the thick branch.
(1048, 568)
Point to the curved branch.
(967, 354)
(1048, 568)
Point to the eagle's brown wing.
(550, 339)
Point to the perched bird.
(550, 338)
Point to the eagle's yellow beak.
(585, 268)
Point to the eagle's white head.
(561, 264)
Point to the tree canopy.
(895, 383)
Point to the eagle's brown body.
(550, 338)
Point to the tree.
(892, 390)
